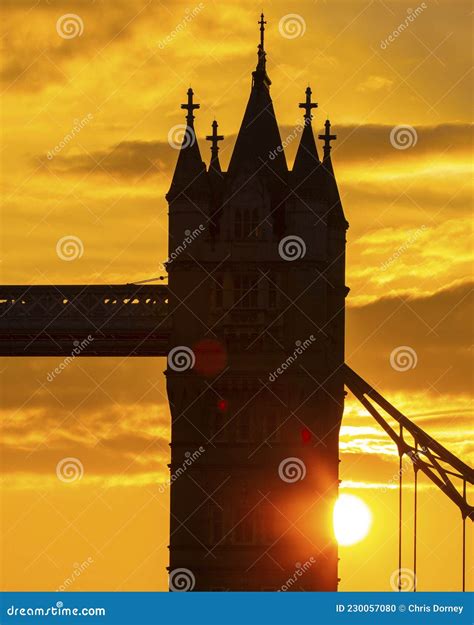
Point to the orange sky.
(409, 253)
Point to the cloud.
(437, 327)
(128, 159)
(370, 143)
(110, 413)
(140, 456)
(35, 55)
(375, 83)
(365, 143)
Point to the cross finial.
(327, 137)
(190, 106)
(260, 76)
(214, 139)
(262, 23)
(308, 105)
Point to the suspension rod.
(400, 503)
(464, 542)
(415, 518)
(428, 445)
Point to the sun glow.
(351, 519)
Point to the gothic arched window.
(244, 520)
(218, 426)
(254, 225)
(216, 524)
(219, 291)
(246, 223)
(243, 427)
(272, 290)
(265, 518)
(245, 291)
(238, 224)
(271, 425)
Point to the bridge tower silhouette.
(252, 325)
(263, 281)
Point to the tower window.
(219, 291)
(265, 513)
(271, 431)
(244, 526)
(246, 291)
(272, 291)
(243, 428)
(244, 519)
(218, 426)
(246, 223)
(216, 524)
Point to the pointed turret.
(336, 212)
(307, 158)
(327, 137)
(189, 167)
(258, 145)
(260, 76)
(215, 165)
(216, 181)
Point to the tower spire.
(258, 140)
(327, 137)
(214, 139)
(189, 165)
(306, 159)
(262, 23)
(190, 107)
(260, 76)
(308, 105)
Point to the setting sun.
(352, 519)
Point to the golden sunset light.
(95, 118)
(352, 519)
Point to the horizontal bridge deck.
(97, 320)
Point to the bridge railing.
(121, 319)
(77, 300)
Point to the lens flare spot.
(211, 357)
(222, 405)
(305, 435)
